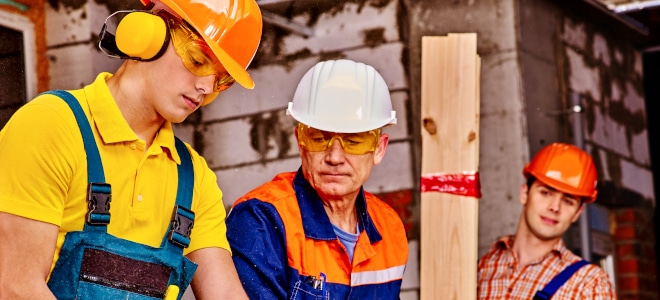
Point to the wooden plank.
(450, 145)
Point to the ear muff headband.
(140, 35)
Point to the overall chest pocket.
(304, 289)
(111, 276)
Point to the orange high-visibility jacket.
(282, 241)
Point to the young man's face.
(547, 212)
(177, 92)
(187, 75)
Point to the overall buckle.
(99, 196)
(183, 220)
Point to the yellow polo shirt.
(43, 172)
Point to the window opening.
(17, 68)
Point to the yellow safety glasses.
(195, 54)
(316, 140)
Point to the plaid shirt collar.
(506, 243)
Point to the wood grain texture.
(450, 145)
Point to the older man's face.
(337, 175)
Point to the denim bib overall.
(96, 265)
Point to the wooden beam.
(450, 145)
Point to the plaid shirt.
(500, 276)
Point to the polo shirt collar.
(111, 125)
(165, 142)
(316, 223)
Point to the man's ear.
(524, 192)
(295, 132)
(379, 153)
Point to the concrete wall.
(608, 74)
(248, 138)
(72, 29)
(566, 56)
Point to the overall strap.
(561, 278)
(98, 191)
(186, 175)
(183, 217)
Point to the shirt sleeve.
(37, 159)
(256, 235)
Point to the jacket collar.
(316, 223)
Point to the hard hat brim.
(232, 66)
(340, 126)
(562, 187)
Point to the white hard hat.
(342, 96)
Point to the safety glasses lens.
(353, 143)
(196, 55)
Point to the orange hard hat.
(231, 28)
(566, 168)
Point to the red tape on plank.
(466, 184)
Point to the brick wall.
(635, 254)
(401, 201)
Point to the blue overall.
(559, 280)
(96, 265)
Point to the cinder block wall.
(607, 73)
(247, 136)
(72, 30)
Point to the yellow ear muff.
(142, 35)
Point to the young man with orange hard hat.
(315, 233)
(98, 198)
(534, 263)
